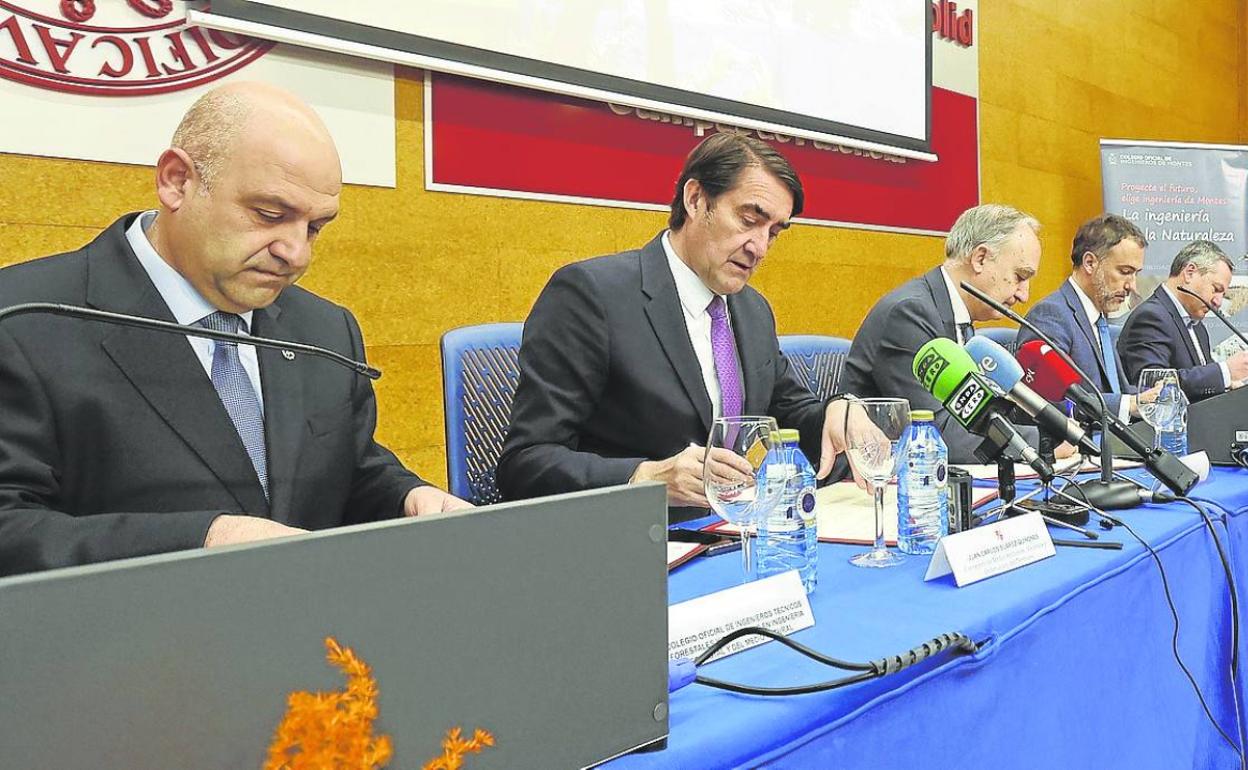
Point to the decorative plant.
(334, 730)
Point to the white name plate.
(777, 603)
(991, 549)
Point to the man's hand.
(423, 500)
(230, 529)
(682, 473)
(1238, 364)
(1065, 450)
(843, 422)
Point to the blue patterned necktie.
(1108, 356)
(237, 394)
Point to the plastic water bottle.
(788, 539)
(922, 487)
(1172, 425)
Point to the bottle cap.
(922, 415)
(790, 435)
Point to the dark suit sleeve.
(1149, 341)
(34, 535)
(564, 364)
(1056, 323)
(380, 482)
(907, 328)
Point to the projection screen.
(851, 72)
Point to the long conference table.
(1074, 668)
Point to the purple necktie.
(724, 348)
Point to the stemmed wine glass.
(875, 427)
(743, 475)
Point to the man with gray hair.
(1167, 330)
(992, 247)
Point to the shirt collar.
(1187, 318)
(187, 305)
(961, 316)
(694, 295)
(1094, 315)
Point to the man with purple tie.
(626, 359)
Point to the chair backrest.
(480, 370)
(1004, 336)
(816, 360)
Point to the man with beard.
(1107, 253)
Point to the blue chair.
(480, 371)
(1004, 336)
(816, 360)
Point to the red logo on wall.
(115, 47)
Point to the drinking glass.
(874, 433)
(744, 475)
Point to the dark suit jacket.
(114, 442)
(881, 358)
(1061, 316)
(609, 378)
(1154, 335)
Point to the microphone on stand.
(999, 366)
(1216, 312)
(1164, 466)
(977, 404)
(121, 319)
(1052, 379)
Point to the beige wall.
(1055, 76)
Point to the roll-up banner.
(1177, 193)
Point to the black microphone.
(1216, 312)
(1164, 466)
(121, 319)
(1052, 379)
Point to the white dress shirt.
(188, 305)
(961, 315)
(694, 299)
(1186, 318)
(1094, 315)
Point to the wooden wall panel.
(1054, 78)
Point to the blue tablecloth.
(1076, 668)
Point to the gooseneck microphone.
(121, 319)
(998, 365)
(977, 404)
(1216, 312)
(1053, 380)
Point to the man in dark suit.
(626, 358)
(1107, 253)
(1167, 330)
(992, 247)
(120, 441)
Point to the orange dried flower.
(454, 747)
(334, 730)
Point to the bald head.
(251, 179)
(228, 115)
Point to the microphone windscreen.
(1045, 371)
(994, 361)
(940, 366)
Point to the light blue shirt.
(188, 305)
(1191, 332)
